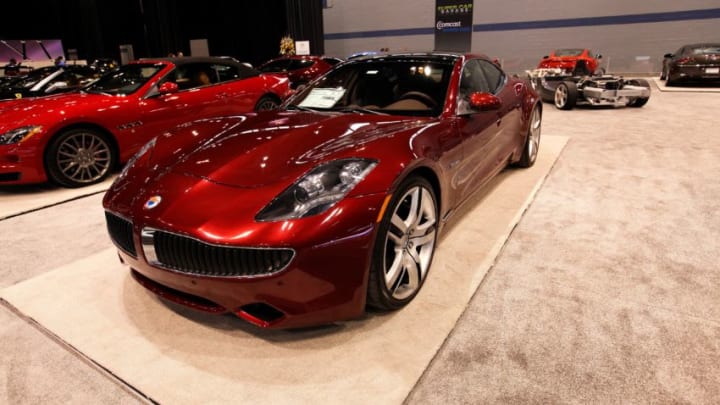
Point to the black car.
(49, 80)
(692, 63)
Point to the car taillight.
(682, 61)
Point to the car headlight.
(19, 134)
(317, 190)
(137, 157)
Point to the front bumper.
(325, 281)
(21, 165)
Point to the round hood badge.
(152, 202)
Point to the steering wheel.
(420, 96)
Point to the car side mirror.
(546, 56)
(168, 88)
(668, 55)
(484, 102)
(598, 56)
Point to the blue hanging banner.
(453, 25)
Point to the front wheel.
(566, 95)
(404, 246)
(532, 142)
(79, 157)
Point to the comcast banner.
(453, 25)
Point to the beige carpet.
(15, 200)
(173, 355)
(693, 88)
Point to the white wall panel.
(636, 47)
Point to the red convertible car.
(77, 139)
(306, 214)
(579, 62)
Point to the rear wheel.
(639, 101)
(267, 103)
(404, 246)
(566, 95)
(79, 157)
(532, 143)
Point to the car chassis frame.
(594, 90)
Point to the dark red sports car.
(579, 62)
(307, 214)
(77, 139)
(299, 69)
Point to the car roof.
(418, 55)
(182, 60)
(703, 45)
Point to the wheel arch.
(268, 94)
(429, 174)
(82, 125)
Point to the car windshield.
(33, 77)
(125, 80)
(568, 52)
(409, 86)
(707, 50)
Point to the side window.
(226, 73)
(473, 79)
(590, 54)
(493, 75)
(301, 64)
(192, 75)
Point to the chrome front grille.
(187, 255)
(121, 232)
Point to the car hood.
(262, 149)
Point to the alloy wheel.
(561, 96)
(534, 135)
(410, 242)
(84, 157)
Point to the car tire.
(532, 140)
(80, 157)
(404, 245)
(639, 101)
(267, 103)
(566, 95)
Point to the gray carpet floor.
(607, 291)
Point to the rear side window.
(280, 65)
(332, 61)
(301, 64)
